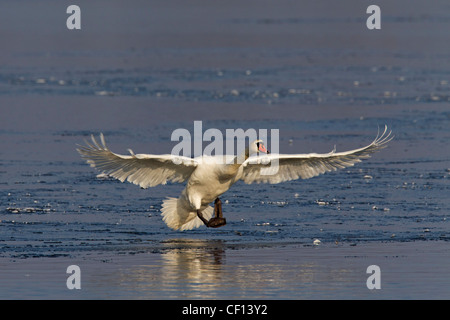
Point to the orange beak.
(262, 148)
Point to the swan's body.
(209, 177)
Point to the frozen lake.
(318, 75)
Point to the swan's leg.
(218, 220)
(200, 215)
(218, 208)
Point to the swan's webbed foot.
(216, 221)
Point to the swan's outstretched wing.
(276, 168)
(145, 170)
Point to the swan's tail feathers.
(177, 217)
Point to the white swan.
(207, 179)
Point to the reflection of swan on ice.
(192, 267)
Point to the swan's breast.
(209, 181)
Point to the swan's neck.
(238, 160)
(233, 166)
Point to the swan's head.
(258, 146)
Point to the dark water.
(317, 75)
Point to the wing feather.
(145, 170)
(305, 166)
